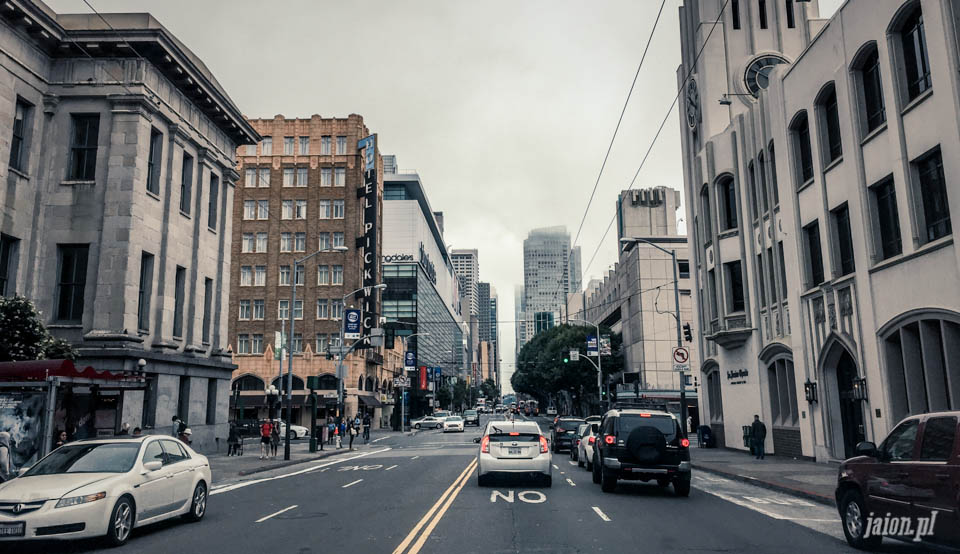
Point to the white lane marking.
(572, 484)
(351, 484)
(414, 458)
(600, 513)
(571, 462)
(556, 467)
(378, 440)
(235, 486)
(324, 469)
(391, 467)
(265, 518)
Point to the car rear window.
(519, 437)
(470, 412)
(569, 425)
(664, 424)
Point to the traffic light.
(687, 333)
(566, 359)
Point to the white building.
(466, 264)
(546, 279)
(817, 157)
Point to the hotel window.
(337, 240)
(266, 147)
(286, 209)
(83, 147)
(811, 235)
(304, 146)
(297, 342)
(264, 177)
(323, 275)
(324, 209)
(18, 141)
(727, 191)
(300, 209)
(340, 177)
(800, 131)
(754, 191)
(246, 276)
(334, 340)
(762, 5)
(186, 183)
(760, 278)
(287, 146)
(179, 296)
(288, 176)
(302, 177)
(250, 150)
(299, 275)
(324, 243)
(791, 17)
(773, 177)
(916, 62)
(712, 293)
(212, 205)
(341, 145)
(284, 275)
(323, 309)
(249, 209)
(844, 240)
(734, 274)
(243, 344)
(932, 191)
(145, 292)
(705, 213)
(260, 276)
(244, 310)
(207, 311)
(683, 269)
(735, 13)
(325, 145)
(337, 275)
(249, 243)
(286, 242)
(153, 161)
(283, 310)
(321, 344)
(298, 309)
(771, 270)
(872, 111)
(783, 267)
(326, 177)
(300, 242)
(262, 242)
(258, 310)
(256, 343)
(338, 209)
(263, 209)
(831, 145)
(72, 281)
(886, 218)
(336, 309)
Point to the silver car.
(513, 448)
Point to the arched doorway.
(844, 410)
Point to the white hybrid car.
(453, 423)
(105, 488)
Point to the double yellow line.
(435, 513)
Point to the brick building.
(297, 196)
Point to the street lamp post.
(599, 358)
(403, 374)
(293, 303)
(676, 297)
(343, 302)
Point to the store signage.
(351, 324)
(737, 376)
(592, 347)
(409, 360)
(368, 195)
(427, 265)
(423, 377)
(397, 258)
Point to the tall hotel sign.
(368, 242)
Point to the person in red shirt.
(265, 431)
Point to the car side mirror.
(867, 448)
(152, 466)
(476, 440)
(23, 470)
(595, 428)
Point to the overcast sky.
(504, 107)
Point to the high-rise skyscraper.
(466, 265)
(546, 278)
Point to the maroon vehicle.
(908, 488)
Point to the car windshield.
(110, 457)
(569, 424)
(454, 419)
(664, 424)
(470, 412)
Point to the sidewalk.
(807, 479)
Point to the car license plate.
(12, 529)
(514, 451)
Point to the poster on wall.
(21, 415)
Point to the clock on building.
(693, 104)
(757, 75)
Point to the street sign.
(574, 355)
(351, 324)
(605, 346)
(409, 360)
(401, 382)
(592, 346)
(681, 359)
(438, 373)
(338, 350)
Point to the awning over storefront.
(64, 370)
(370, 401)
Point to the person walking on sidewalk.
(233, 441)
(265, 431)
(353, 434)
(758, 433)
(274, 439)
(331, 427)
(366, 428)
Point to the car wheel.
(608, 483)
(198, 506)
(682, 487)
(596, 472)
(853, 514)
(417, 426)
(548, 481)
(121, 522)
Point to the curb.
(818, 498)
(286, 464)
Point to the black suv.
(641, 445)
(471, 417)
(564, 433)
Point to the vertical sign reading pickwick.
(368, 198)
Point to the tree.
(460, 393)
(488, 389)
(443, 396)
(24, 336)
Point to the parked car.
(563, 433)
(296, 431)
(453, 423)
(513, 448)
(427, 422)
(634, 444)
(551, 411)
(584, 448)
(471, 417)
(914, 473)
(105, 488)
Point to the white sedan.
(453, 423)
(427, 422)
(296, 431)
(585, 446)
(105, 488)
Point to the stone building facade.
(115, 218)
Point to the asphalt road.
(419, 494)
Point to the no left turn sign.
(681, 359)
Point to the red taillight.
(485, 445)
(644, 415)
(578, 442)
(609, 439)
(543, 445)
(592, 440)
(685, 443)
(514, 434)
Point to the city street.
(419, 494)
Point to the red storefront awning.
(41, 370)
